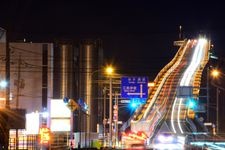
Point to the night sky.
(137, 35)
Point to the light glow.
(168, 146)
(178, 116)
(215, 145)
(165, 139)
(189, 72)
(44, 135)
(3, 84)
(215, 73)
(172, 116)
(151, 84)
(45, 114)
(109, 70)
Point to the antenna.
(180, 32)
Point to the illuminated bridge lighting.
(213, 145)
(151, 115)
(188, 75)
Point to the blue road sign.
(134, 87)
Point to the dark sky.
(137, 35)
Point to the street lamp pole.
(110, 111)
(109, 71)
(89, 96)
(207, 92)
(104, 115)
(217, 109)
(218, 88)
(215, 74)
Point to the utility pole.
(116, 114)
(18, 82)
(7, 96)
(104, 115)
(18, 86)
(217, 110)
(110, 112)
(218, 88)
(207, 92)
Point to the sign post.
(72, 105)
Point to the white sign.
(59, 115)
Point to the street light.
(216, 73)
(213, 73)
(109, 72)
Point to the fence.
(59, 141)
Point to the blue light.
(191, 103)
(85, 107)
(3, 84)
(135, 102)
(134, 105)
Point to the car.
(165, 138)
(168, 140)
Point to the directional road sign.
(72, 105)
(134, 87)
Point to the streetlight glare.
(3, 84)
(215, 73)
(109, 70)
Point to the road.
(166, 108)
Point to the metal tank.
(67, 71)
(64, 65)
(90, 56)
(76, 66)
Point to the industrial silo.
(65, 72)
(76, 70)
(90, 60)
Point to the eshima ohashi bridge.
(168, 113)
